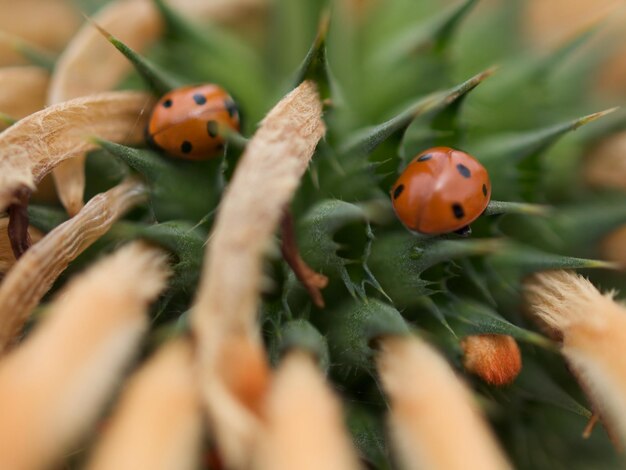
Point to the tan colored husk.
(49, 24)
(158, 423)
(7, 258)
(225, 310)
(304, 422)
(593, 330)
(434, 420)
(22, 91)
(53, 387)
(32, 147)
(32, 276)
(90, 64)
(605, 166)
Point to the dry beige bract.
(22, 90)
(614, 246)
(605, 166)
(304, 422)
(434, 421)
(593, 329)
(53, 387)
(33, 275)
(225, 310)
(157, 424)
(32, 147)
(90, 64)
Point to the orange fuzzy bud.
(494, 358)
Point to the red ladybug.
(185, 122)
(442, 190)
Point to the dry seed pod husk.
(593, 330)
(304, 422)
(32, 147)
(157, 424)
(53, 387)
(7, 258)
(22, 90)
(225, 310)
(33, 275)
(434, 421)
(49, 24)
(90, 64)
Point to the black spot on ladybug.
(465, 171)
(186, 147)
(398, 191)
(484, 189)
(212, 128)
(458, 211)
(167, 103)
(231, 107)
(426, 157)
(199, 99)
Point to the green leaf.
(367, 431)
(366, 140)
(505, 207)
(435, 33)
(45, 218)
(179, 189)
(7, 120)
(31, 52)
(472, 318)
(314, 64)
(159, 81)
(535, 384)
(300, 334)
(355, 326)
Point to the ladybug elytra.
(442, 190)
(185, 122)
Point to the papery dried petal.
(38, 268)
(22, 90)
(158, 422)
(54, 385)
(435, 423)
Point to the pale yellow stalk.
(593, 330)
(435, 423)
(53, 387)
(33, 275)
(157, 424)
(224, 316)
(304, 422)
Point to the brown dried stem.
(310, 279)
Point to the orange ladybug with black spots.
(186, 122)
(442, 190)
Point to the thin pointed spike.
(506, 207)
(316, 56)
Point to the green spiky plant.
(400, 78)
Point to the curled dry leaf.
(53, 387)
(494, 358)
(7, 258)
(593, 330)
(225, 310)
(32, 147)
(22, 91)
(32, 276)
(158, 423)
(49, 24)
(433, 417)
(88, 65)
(304, 422)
